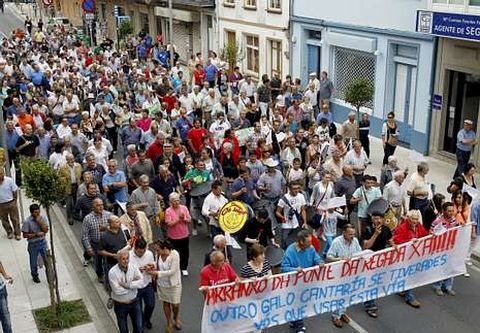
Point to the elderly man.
(349, 128)
(298, 256)
(142, 167)
(93, 224)
(95, 168)
(219, 244)
(131, 135)
(394, 194)
(85, 200)
(8, 206)
(137, 223)
(145, 199)
(211, 207)
(217, 272)
(410, 229)
(125, 280)
(115, 184)
(271, 186)
(358, 159)
(34, 230)
(343, 247)
(79, 142)
(346, 186)
(71, 172)
(466, 141)
(363, 196)
(388, 171)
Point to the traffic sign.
(88, 6)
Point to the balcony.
(191, 3)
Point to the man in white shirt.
(142, 258)
(394, 193)
(8, 206)
(218, 128)
(211, 207)
(63, 129)
(186, 102)
(125, 280)
(291, 213)
(234, 108)
(358, 159)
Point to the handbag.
(314, 219)
(392, 140)
(290, 214)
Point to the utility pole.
(171, 32)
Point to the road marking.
(474, 268)
(356, 326)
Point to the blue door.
(313, 63)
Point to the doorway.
(463, 103)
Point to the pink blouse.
(180, 229)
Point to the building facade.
(346, 40)
(456, 23)
(261, 29)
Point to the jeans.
(214, 230)
(409, 297)
(446, 284)
(122, 311)
(462, 160)
(4, 312)
(328, 243)
(35, 249)
(146, 298)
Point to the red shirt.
(196, 135)
(199, 77)
(170, 100)
(154, 151)
(210, 277)
(144, 123)
(404, 234)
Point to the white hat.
(468, 121)
(313, 74)
(270, 162)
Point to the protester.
(8, 206)
(4, 311)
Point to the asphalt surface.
(437, 314)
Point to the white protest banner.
(333, 203)
(263, 303)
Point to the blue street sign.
(449, 25)
(88, 6)
(437, 101)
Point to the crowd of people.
(151, 152)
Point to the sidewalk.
(24, 295)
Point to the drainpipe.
(432, 92)
(290, 34)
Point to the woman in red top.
(410, 229)
(199, 75)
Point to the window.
(451, 2)
(349, 65)
(275, 5)
(252, 53)
(230, 37)
(229, 3)
(474, 2)
(251, 4)
(276, 58)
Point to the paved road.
(438, 314)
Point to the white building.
(261, 28)
(375, 40)
(456, 23)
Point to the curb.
(78, 250)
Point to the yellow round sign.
(233, 216)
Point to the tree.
(125, 28)
(359, 92)
(231, 53)
(44, 185)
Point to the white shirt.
(7, 188)
(296, 202)
(312, 97)
(63, 131)
(356, 161)
(139, 262)
(132, 277)
(187, 103)
(212, 203)
(248, 88)
(394, 193)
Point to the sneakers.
(184, 272)
(199, 223)
(414, 303)
(438, 292)
(467, 274)
(194, 232)
(36, 279)
(110, 303)
(450, 292)
(468, 262)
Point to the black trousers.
(182, 246)
(389, 150)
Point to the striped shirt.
(247, 270)
(91, 228)
(340, 248)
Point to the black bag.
(332, 129)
